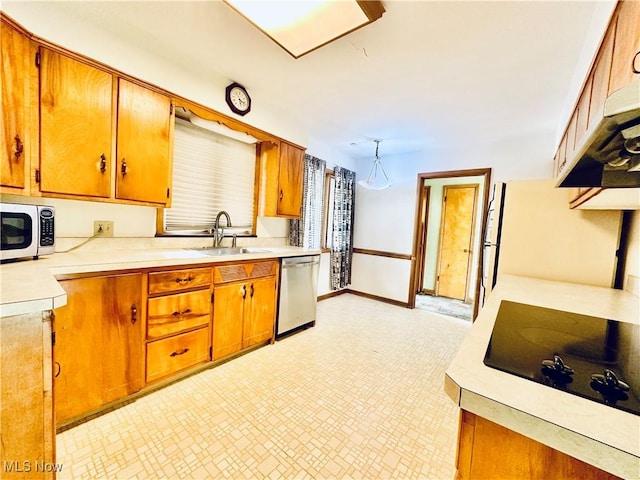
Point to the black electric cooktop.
(595, 358)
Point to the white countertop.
(29, 286)
(606, 437)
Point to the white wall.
(632, 264)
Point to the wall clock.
(238, 99)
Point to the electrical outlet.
(103, 228)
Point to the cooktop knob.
(557, 365)
(608, 381)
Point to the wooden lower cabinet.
(173, 354)
(244, 311)
(99, 348)
(487, 450)
(27, 435)
(178, 321)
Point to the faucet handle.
(233, 240)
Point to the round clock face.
(238, 99)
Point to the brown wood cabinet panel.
(173, 354)
(488, 450)
(601, 74)
(228, 315)
(172, 314)
(259, 320)
(290, 177)
(75, 126)
(14, 47)
(626, 45)
(282, 175)
(143, 144)
(178, 280)
(26, 426)
(229, 273)
(582, 112)
(99, 350)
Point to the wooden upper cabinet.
(143, 144)
(14, 47)
(626, 48)
(83, 115)
(290, 178)
(75, 126)
(601, 74)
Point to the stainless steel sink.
(215, 251)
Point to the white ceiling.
(427, 74)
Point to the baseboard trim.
(335, 293)
(397, 303)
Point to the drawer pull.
(184, 281)
(184, 312)
(179, 352)
(636, 64)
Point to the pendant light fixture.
(375, 180)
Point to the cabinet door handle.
(59, 370)
(103, 163)
(251, 294)
(244, 291)
(19, 147)
(184, 312)
(281, 195)
(134, 314)
(184, 281)
(635, 63)
(179, 352)
(123, 167)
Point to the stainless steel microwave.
(26, 230)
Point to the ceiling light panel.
(301, 27)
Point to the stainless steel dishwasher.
(298, 293)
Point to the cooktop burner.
(595, 358)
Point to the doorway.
(427, 256)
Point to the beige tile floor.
(358, 396)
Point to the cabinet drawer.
(243, 271)
(172, 314)
(176, 280)
(173, 354)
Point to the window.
(211, 172)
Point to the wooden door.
(14, 88)
(259, 321)
(458, 214)
(290, 178)
(143, 145)
(626, 49)
(99, 349)
(228, 314)
(75, 127)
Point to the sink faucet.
(218, 231)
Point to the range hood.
(610, 154)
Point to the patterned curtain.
(307, 230)
(342, 248)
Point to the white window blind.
(211, 173)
